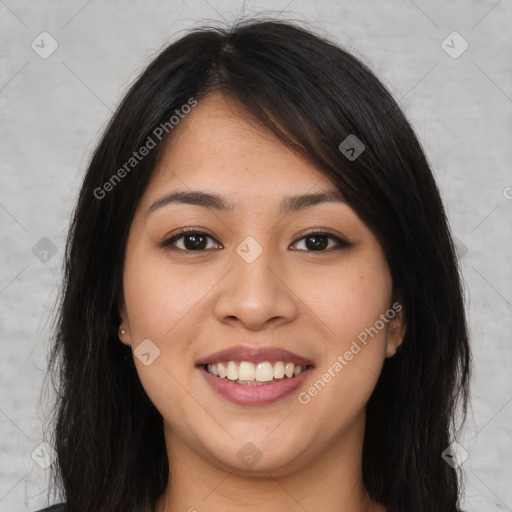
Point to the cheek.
(160, 296)
(161, 304)
(347, 300)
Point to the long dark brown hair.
(312, 94)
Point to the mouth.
(248, 376)
(264, 373)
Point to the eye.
(193, 240)
(318, 241)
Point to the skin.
(314, 303)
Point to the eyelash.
(168, 244)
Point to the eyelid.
(168, 242)
(341, 241)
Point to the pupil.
(195, 242)
(319, 242)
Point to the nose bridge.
(254, 292)
(253, 266)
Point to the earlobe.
(124, 335)
(396, 332)
(123, 331)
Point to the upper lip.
(254, 355)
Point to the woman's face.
(256, 281)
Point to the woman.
(261, 301)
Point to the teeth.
(232, 371)
(289, 369)
(278, 370)
(221, 369)
(213, 369)
(250, 374)
(246, 371)
(264, 372)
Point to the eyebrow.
(205, 199)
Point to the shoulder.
(61, 507)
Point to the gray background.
(54, 109)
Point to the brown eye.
(197, 241)
(319, 242)
(189, 240)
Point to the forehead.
(220, 147)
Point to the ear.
(396, 328)
(124, 325)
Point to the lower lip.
(255, 395)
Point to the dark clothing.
(61, 507)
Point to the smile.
(246, 373)
(249, 375)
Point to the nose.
(255, 294)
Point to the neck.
(332, 480)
